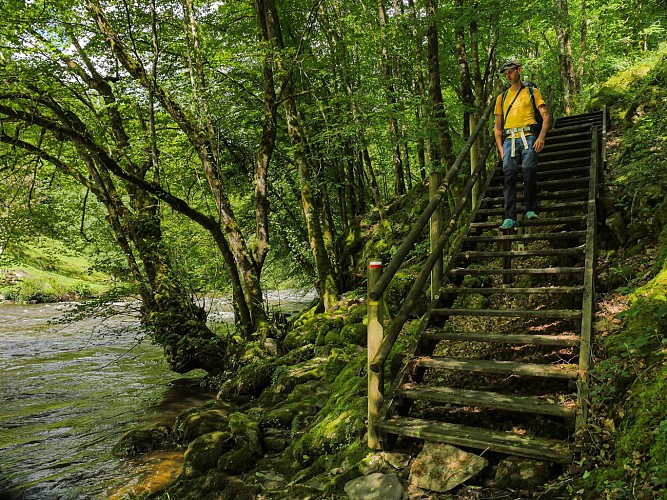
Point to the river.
(69, 391)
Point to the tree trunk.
(326, 279)
(418, 85)
(565, 53)
(438, 111)
(583, 34)
(387, 72)
(200, 140)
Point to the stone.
(375, 486)
(139, 441)
(203, 453)
(193, 424)
(441, 467)
(522, 473)
(272, 347)
(397, 460)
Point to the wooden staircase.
(501, 358)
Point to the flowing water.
(69, 391)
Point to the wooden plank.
(474, 437)
(553, 207)
(549, 195)
(511, 313)
(475, 254)
(506, 290)
(512, 272)
(487, 399)
(566, 371)
(503, 338)
(562, 235)
(548, 184)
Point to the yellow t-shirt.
(521, 114)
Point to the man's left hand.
(539, 145)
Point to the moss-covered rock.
(139, 441)
(341, 421)
(250, 380)
(287, 378)
(303, 402)
(204, 452)
(197, 422)
(238, 461)
(354, 334)
(246, 432)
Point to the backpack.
(538, 116)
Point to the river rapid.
(69, 391)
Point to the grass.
(44, 270)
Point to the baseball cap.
(510, 63)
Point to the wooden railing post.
(474, 161)
(436, 227)
(375, 332)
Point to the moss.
(250, 380)
(238, 461)
(245, 431)
(333, 338)
(197, 422)
(203, 453)
(336, 362)
(292, 376)
(354, 334)
(139, 441)
(356, 314)
(341, 421)
(306, 332)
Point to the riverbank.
(45, 271)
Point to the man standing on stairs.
(518, 134)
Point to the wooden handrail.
(377, 364)
(414, 234)
(588, 302)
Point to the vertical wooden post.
(436, 226)
(474, 160)
(375, 332)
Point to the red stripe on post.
(375, 264)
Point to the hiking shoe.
(507, 224)
(531, 215)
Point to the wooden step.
(554, 170)
(510, 313)
(569, 153)
(552, 207)
(487, 399)
(508, 290)
(563, 235)
(548, 184)
(546, 221)
(503, 338)
(564, 371)
(484, 439)
(576, 128)
(518, 254)
(512, 272)
(549, 195)
(576, 142)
